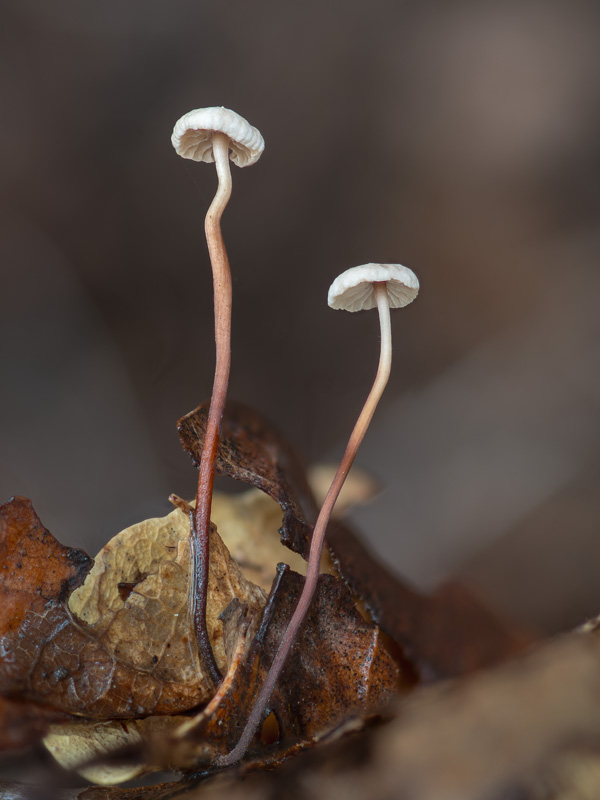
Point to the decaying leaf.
(446, 634)
(529, 729)
(124, 648)
(115, 642)
(525, 730)
(36, 571)
(115, 751)
(338, 669)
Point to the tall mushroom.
(214, 134)
(385, 286)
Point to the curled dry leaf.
(116, 641)
(251, 451)
(116, 647)
(446, 634)
(96, 750)
(36, 572)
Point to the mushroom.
(385, 286)
(214, 134)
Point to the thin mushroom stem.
(206, 474)
(318, 538)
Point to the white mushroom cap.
(192, 136)
(353, 290)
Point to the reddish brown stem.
(318, 538)
(206, 474)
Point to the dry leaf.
(251, 451)
(526, 730)
(443, 635)
(248, 524)
(36, 571)
(80, 743)
(138, 602)
(96, 750)
(115, 661)
(338, 669)
(117, 641)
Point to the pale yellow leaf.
(137, 600)
(77, 745)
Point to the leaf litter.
(109, 644)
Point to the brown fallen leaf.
(526, 730)
(338, 669)
(111, 654)
(35, 570)
(252, 452)
(120, 644)
(529, 729)
(116, 751)
(445, 634)
(161, 791)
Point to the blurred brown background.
(460, 138)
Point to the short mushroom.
(385, 286)
(214, 134)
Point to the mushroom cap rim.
(192, 135)
(354, 289)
